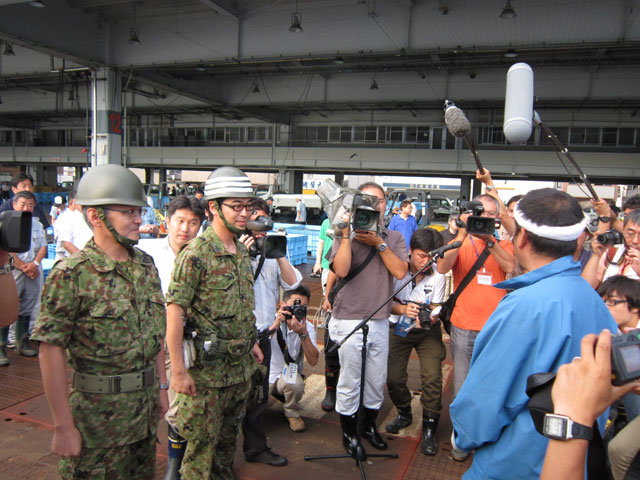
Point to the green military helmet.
(227, 182)
(110, 185)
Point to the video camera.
(297, 310)
(610, 237)
(476, 223)
(271, 246)
(15, 231)
(625, 357)
(349, 207)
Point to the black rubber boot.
(4, 334)
(370, 431)
(331, 381)
(403, 420)
(23, 347)
(177, 445)
(349, 424)
(429, 427)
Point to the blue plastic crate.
(51, 251)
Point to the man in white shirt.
(184, 217)
(274, 273)
(294, 341)
(28, 278)
(71, 230)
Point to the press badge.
(290, 373)
(484, 278)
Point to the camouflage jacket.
(110, 317)
(215, 288)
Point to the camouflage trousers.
(210, 422)
(133, 461)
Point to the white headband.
(565, 233)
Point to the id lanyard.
(484, 277)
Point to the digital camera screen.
(631, 357)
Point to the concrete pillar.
(465, 190)
(148, 177)
(297, 181)
(46, 175)
(106, 141)
(339, 178)
(78, 174)
(477, 188)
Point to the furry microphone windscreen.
(457, 122)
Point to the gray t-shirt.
(373, 285)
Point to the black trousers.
(255, 438)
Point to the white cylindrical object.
(518, 104)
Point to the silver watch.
(382, 247)
(8, 267)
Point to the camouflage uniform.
(110, 318)
(215, 288)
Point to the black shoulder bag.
(447, 307)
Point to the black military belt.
(127, 382)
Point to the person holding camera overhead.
(486, 261)
(270, 274)
(294, 341)
(385, 252)
(536, 328)
(415, 310)
(608, 259)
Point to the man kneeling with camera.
(294, 341)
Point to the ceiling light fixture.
(37, 4)
(374, 84)
(133, 32)
(255, 88)
(508, 12)
(8, 50)
(72, 97)
(338, 60)
(511, 53)
(296, 21)
(444, 7)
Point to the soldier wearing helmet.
(210, 299)
(103, 310)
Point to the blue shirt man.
(536, 328)
(405, 223)
(301, 211)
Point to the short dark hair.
(21, 177)
(24, 194)
(258, 203)
(632, 202)
(73, 194)
(372, 185)
(301, 290)
(547, 206)
(426, 239)
(453, 216)
(405, 203)
(634, 216)
(513, 199)
(183, 202)
(624, 286)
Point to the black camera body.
(424, 316)
(625, 357)
(477, 224)
(610, 237)
(15, 231)
(271, 246)
(297, 310)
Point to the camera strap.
(351, 275)
(469, 276)
(260, 265)
(285, 350)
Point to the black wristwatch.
(604, 219)
(561, 427)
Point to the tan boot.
(296, 424)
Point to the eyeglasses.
(238, 207)
(129, 212)
(611, 302)
(631, 234)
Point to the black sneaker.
(268, 458)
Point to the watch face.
(555, 427)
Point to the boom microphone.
(518, 104)
(456, 121)
(445, 248)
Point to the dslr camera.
(610, 237)
(271, 246)
(476, 223)
(424, 316)
(15, 231)
(296, 310)
(625, 357)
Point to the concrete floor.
(27, 428)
